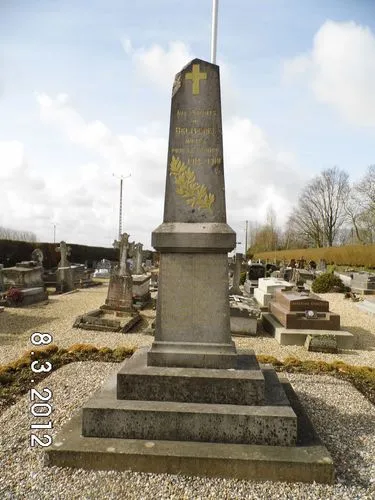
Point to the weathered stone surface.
(235, 288)
(309, 461)
(107, 321)
(321, 343)
(195, 179)
(120, 294)
(297, 336)
(241, 386)
(193, 312)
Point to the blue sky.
(85, 93)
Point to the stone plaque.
(195, 175)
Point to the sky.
(85, 93)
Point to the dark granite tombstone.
(303, 311)
(256, 271)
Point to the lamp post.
(121, 177)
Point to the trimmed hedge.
(350, 255)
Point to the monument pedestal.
(239, 423)
(192, 321)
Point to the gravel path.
(57, 317)
(344, 419)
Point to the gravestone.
(303, 310)
(235, 288)
(267, 288)
(120, 288)
(64, 273)
(2, 286)
(295, 315)
(37, 256)
(141, 280)
(322, 266)
(138, 259)
(103, 269)
(191, 404)
(26, 274)
(255, 272)
(363, 283)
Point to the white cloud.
(157, 64)
(256, 175)
(85, 205)
(340, 70)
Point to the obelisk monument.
(192, 322)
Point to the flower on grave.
(14, 295)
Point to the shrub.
(328, 282)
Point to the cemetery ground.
(343, 417)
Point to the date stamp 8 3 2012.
(40, 401)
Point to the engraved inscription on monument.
(195, 178)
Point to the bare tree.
(363, 205)
(321, 212)
(16, 235)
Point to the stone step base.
(163, 420)
(192, 355)
(244, 385)
(286, 336)
(307, 462)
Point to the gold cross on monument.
(196, 76)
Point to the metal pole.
(215, 8)
(121, 177)
(54, 233)
(120, 214)
(246, 238)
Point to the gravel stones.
(343, 418)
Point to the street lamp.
(121, 177)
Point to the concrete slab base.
(307, 462)
(262, 297)
(367, 306)
(285, 336)
(107, 321)
(243, 326)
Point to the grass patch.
(361, 377)
(15, 378)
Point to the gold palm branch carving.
(196, 195)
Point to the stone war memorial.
(192, 404)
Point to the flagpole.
(215, 7)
